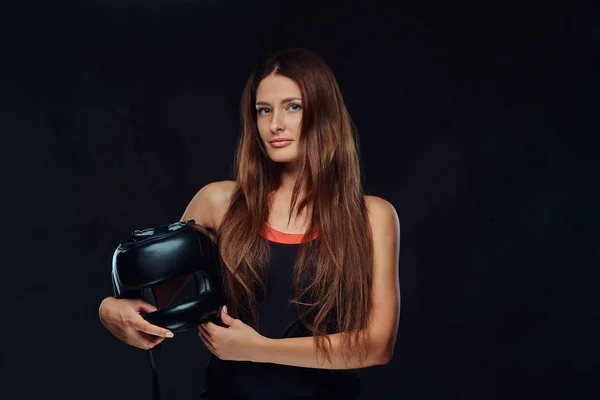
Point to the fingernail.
(225, 309)
(169, 334)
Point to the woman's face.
(279, 115)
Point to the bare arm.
(121, 316)
(206, 209)
(383, 324)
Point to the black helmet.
(153, 256)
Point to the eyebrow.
(286, 100)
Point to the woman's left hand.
(235, 342)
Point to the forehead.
(275, 87)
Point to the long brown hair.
(333, 275)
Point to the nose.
(277, 122)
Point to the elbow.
(384, 351)
(385, 356)
(382, 345)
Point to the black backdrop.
(477, 121)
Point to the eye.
(260, 110)
(298, 107)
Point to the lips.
(278, 143)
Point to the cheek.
(296, 122)
(263, 130)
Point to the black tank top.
(277, 318)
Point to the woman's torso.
(278, 319)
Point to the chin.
(283, 158)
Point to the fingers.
(152, 340)
(124, 321)
(203, 328)
(211, 327)
(146, 335)
(145, 341)
(204, 336)
(142, 306)
(147, 327)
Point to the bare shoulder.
(382, 213)
(385, 228)
(378, 205)
(210, 203)
(220, 194)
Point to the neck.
(287, 180)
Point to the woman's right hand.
(122, 318)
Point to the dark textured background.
(477, 121)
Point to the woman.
(309, 263)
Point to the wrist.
(262, 345)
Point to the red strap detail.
(286, 238)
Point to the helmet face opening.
(177, 290)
